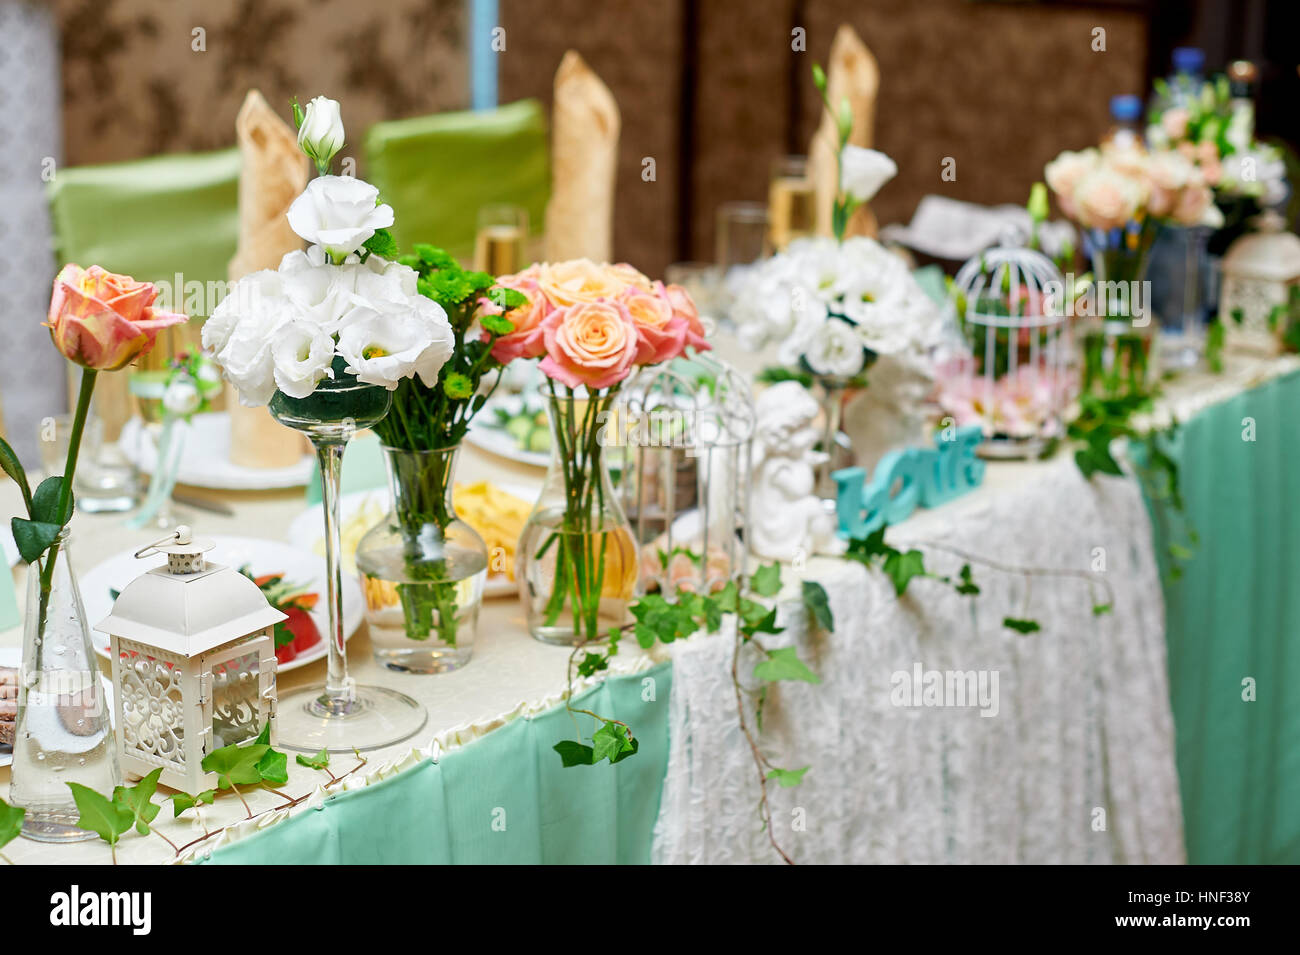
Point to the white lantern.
(193, 657)
(1014, 381)
(1259, 272)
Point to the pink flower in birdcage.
(1026, 403)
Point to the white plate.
(308, 529)
(206, 458)
(261, 556)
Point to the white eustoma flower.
(239, 334)
(338, 213)
(383, 347)
(835, 350)
(321, 294)
(301, 353)
(321, 134)
(248, 363)
(864, 171)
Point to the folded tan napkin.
(272, 174)
(585, 126)
(852, 72)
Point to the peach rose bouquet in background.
(591, 325)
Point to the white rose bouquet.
(341, 306)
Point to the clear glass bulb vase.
(422, 569)
(576, 562)
(63, 733)
(341, 715)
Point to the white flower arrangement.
(285, 328)
(831, 307)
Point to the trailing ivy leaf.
(320, 761)
(236, 765)
(1020, 625)
(787, 777)
(766, 623)
(863, 549)
(45, 502)
(458, 386)
(817, 604)
(1179, 552)
(10, 464)
(784, 664)
(33, 537)
(381, 244)
(967, 587)
(766, 581)
(629, 750)
(591, 664)
(137, 800)
(1099, 610)
(183, 801)
(11, 822)
(902, 567)
(100, 814)
(573, 753)
(610, 742)
(273, 767)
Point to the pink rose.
(1174, 123)
(684, 308)
(526, 341)
(102, 320)
(661, 335)
(590, 343)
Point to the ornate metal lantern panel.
(1260, 297)
(194, 663)
(686, 431)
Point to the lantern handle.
(182, 535)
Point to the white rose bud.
(321, 134)
(864, 171)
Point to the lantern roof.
(189, 614)
(1270, 254)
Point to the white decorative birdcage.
(1014, 379)
(193, 663)
(686, 431)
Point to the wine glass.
(791, 203)
(500, 246)
(148, 388)
(742, 233)
(341, 715)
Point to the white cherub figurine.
(786, 518)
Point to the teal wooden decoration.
(908, 479)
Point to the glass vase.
(835, 446)
(422, 569)
(340, 716)
(576, 562)
(63, 733)
(1119, 358)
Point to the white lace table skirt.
(1076, 766)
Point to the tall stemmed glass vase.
(340, 715)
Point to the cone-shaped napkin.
(851, 73)
(584, 160)
(273, 172)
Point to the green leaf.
(967, 587)
(901, 568)
(381, 244)
(100, 814)
(137, 800)
(787, 777)
(458, 386)
(817, 604)
(610, 742)
(320, 761)
(10, 464)
(1179, 552)
(784, 664)
(573, 753)
(766, 581)
(497, 324)
(11, 822)
(629, 750)
(1099, 610)
(273, 767)
(591, 664)
(264, 734)
(1020, 625)
(236, 765)
(45, 502)
(33, 537)
(183, 801)
(507, 298)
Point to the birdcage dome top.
(716, 401)
(1009, 286)
(189, 614)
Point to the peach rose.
(1106, 199)
(684, 307)
(590, 343)
(1174, 122)
(526, 341)
(1193, 203)
(661, 335)
(582, 280)
(1064, 172)
(1168, 173)
(104, 321)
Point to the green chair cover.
(438, 171)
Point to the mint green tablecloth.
(438, 171)
(444, 812)
(151, 218)
(1235, 614)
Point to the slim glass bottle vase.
(576, 562)
(63, 734)
(340, 715)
